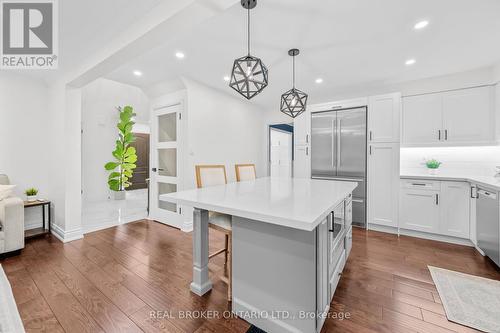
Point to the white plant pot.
(118, 195)
(432, 171)
(31, 198)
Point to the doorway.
(280, 150)
(141, 173)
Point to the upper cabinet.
(459, 117)
(383, 118)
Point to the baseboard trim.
(111, 223)
(66, 236)
(187, 226)
(419, 234)
(258, 318)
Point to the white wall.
(479, 161)
(24, 132)
(222, 129)
(99, 118)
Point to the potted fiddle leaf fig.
(122, 168)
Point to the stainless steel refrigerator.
(338, 152)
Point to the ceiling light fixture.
(410, 62)
(319, 80)
(294, 101)
(180, 55)
(421, 25)
(137, 73)
(249, 75)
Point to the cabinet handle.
(418, 184)
(439, 135)
(307, 138)
(446, 134)
(437, 199)
(472, 188)
(370, 135)
(370, 150)
(307, 151)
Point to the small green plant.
(31, 192)
(433, 164)
(125, 156)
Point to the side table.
(45, 229)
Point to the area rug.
(10, 321)
(469, 300)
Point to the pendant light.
(294, 101)
(249, 75)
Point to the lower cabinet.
(455, 209)
(438, 207)
(334, 243)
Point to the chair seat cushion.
(220, 220)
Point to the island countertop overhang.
(297, 203)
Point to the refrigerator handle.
(339, 150)
(334, 125)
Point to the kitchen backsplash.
(480, 161)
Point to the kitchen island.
(290, 240)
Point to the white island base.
(274, 276)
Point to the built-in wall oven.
(488, 223)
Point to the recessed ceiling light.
(226, 78)
(319, 80)
(180, 55)
(421, 25)
(137, 73)
(410, 62)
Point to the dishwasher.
(488, 223)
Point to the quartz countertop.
(491, 181)
(292, 202)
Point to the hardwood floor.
(115, 279)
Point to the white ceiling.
(347, 43)
(85, 27)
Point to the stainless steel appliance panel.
(351, 143)
(323, 149)
(488, 224)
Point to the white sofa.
(11, 221)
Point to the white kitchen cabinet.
(383, 184)
(468, 115)
(437, 207)
(458, 117)
(422, 119)
(302, 129)
(383, 118)
(419, 210)
(455, 209)
(302, 162)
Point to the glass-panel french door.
(165, 160)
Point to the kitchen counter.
(488, 181)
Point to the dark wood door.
(141, 173)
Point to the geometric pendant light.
(249, 75)
(294, 101)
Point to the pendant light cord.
(248, 30)
(293, 71)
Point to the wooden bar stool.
(245, 172)
(211, 175)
